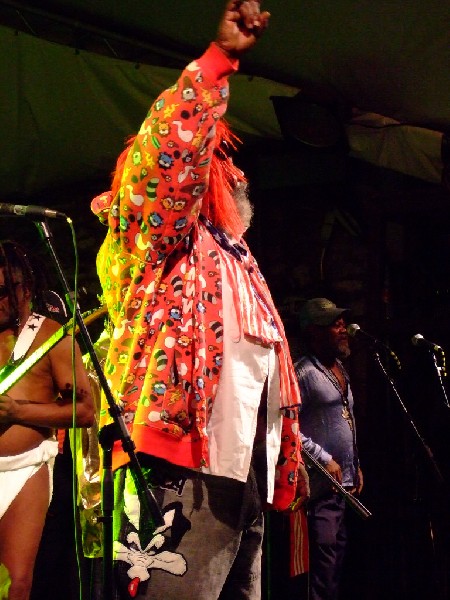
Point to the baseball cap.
(319, 311)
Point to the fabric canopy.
(66, 114)
(66, 110)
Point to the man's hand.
(303, 491)
(360, 482)
(8, 408)
(241, 25)
(334, 470)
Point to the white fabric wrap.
(17, 469)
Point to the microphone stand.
(117, 430)
(438, 516)
(424, 445)
(353, 502)
(439, 372)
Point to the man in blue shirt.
(329, 435)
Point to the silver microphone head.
(353, 329)
(416, 339)
(419, 340)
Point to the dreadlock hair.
(218, 203)
(13, 258)
(120, 163)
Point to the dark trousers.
(327, 541)
(209, 548)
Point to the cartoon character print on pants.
(143, 550)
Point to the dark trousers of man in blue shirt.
(328, 537)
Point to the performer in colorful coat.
(198, 358)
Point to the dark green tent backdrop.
(352, 200)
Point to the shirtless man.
(41, 401)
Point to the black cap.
(320, 311)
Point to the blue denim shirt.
(325, 433)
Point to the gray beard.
(343, 351)
(243, 204)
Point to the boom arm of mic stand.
(424, 445)
(353, 502)
(119, 432)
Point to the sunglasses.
(4, 289)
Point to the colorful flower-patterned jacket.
(160, 270)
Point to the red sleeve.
(166, 171)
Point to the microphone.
(34, 212)
(353, 329)
(419, 340)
